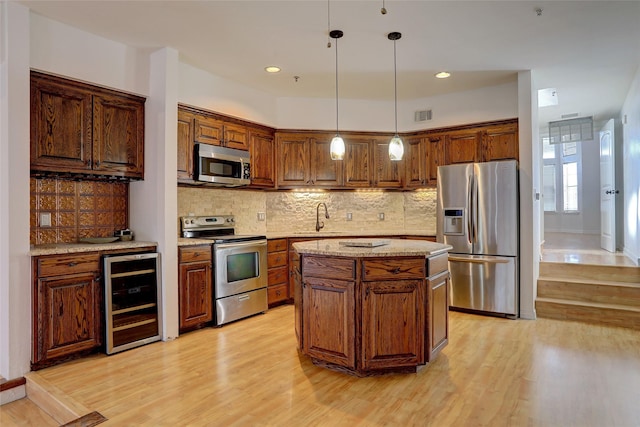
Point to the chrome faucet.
(319, 224)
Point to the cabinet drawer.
(195, 253)
(336, 268)
(393, 269)
(437, 264)
(277, 293)
(276, 245)
(276, 259)
(70, 264)
(278, 275)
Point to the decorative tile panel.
(78, 209)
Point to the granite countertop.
(367, 233)
(392, 247)
(183, 241)
(69, 248)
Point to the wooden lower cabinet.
(438, 304)
(66, 307)
(195, 287)
(278, 271)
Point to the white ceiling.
(588, 50)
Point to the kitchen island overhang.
(371, 306)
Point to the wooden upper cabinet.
(118, 135)
(500, 142)
(186, 137)
(77, 128)
(263, 169)
(462, 147)
(325, 172)
(358, 163)
(436, 157)
(60, 126)
(293, 160)
(236, 136)
(416, 152)
(208, 130)
(386, 173)
(214, 131)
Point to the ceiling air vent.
(422, 116)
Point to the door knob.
(612, 192)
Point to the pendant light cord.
(328, 23)
(395, 85)
(337, 115)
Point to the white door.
(607, 188)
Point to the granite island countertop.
(70, 248)
(391, 247)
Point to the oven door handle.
(240, 244)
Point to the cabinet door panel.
(357, 163)
(208, 130)
(60, 127)
(185, 145)
(392, 323)
(436, 158)
(236, 136)
(500, 143)
(438, 313)
(416, 162)
(263, 170)
(293, 160)
(118, 135)
(333, 339)
(462, 147)
(196, 303)
(387, 173)
(68, 311)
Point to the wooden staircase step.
(597, 291)
(589, 312)
(590, 272)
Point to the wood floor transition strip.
(91, 419)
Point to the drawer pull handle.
(278, 293)
(396, 270)
(72, 264)
(197, 254)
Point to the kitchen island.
(371, 306)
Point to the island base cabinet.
(438, 314)
(392, 324)
(329, 323)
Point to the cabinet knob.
(396, 270)
(278, 293)
(98, 164)
(72, 264)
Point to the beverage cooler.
(132, 300)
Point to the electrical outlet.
(45, 219)
(381, 216)
(261, 216)
(349, 216)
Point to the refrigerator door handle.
(470, 237)
(485, 259)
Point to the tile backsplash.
(295, 211)
(78, 209)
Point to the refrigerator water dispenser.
(454, 221)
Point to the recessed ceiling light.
(272, 69)
(443, 74)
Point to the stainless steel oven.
(240, 266)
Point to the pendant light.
(396, 148)
(337, 143)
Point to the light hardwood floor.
(494, 372)
(576, 248)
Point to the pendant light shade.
(396, 147)
(337, 143)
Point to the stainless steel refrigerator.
(477, 214)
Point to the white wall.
(491, 103)
(631, 166)
(205, 90)
(60, 49)
(15, 277)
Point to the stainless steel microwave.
(222, 166)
